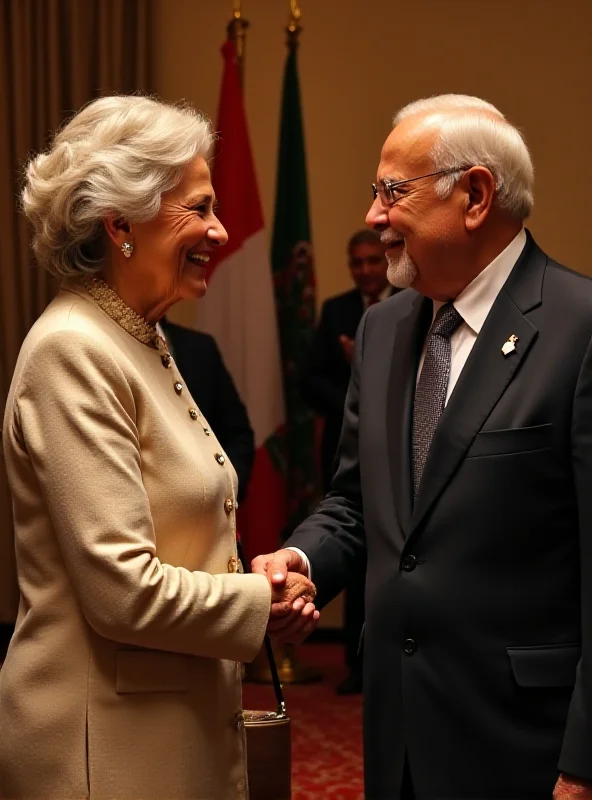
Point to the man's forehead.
(407, 146)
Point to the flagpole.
(290, 668)
(294, 28)
(236, 31)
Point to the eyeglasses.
(372, 261)
(387, 188)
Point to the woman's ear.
(118, 229)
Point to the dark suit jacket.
(325, 381)
(211, 386)
(476, 611)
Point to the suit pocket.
(545, 666)
(511, 440)
(151, 671)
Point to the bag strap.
(277, 686)
(275, 678)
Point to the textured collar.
(111, 303)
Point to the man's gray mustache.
(390, 237)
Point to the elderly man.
(465, 473)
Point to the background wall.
(362, 59)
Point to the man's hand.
(347, 345)
(275, 567)
(568, 787)
(291, 620)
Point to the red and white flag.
(239, 311)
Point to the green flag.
(293, 271)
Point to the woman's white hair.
(472, 132)
(115, 156)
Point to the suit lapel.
(484, 377)
(408, 342)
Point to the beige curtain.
(55, 55)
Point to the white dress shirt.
(473, 304)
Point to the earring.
(127, 248)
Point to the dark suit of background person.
(211, 386)
(324, 386)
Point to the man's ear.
(480, 187)
(118, 229)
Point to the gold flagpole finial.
(294, 28)
(236, 32)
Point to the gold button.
(232, 565)
(219, 458)
(193, 413)
(228, 505)
(207, 431)
(178, 387)
(166, 360)
(240, 785)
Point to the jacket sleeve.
(333, 538)
(231, 424)
(576, 752)
(319, 391)
(75, 419)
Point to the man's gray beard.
(401, 272)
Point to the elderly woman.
(122, 679)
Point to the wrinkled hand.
(296, 586)
(293, 615)
(275, 566)
(568, 787)
(347, 345)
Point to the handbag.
(268, 735)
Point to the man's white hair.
(480, 137)
(118, 155)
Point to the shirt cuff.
(304, 557)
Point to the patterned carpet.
(326, 729)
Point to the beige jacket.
(121, 681)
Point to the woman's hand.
(571, 788)
(296, 586)
(293, 615)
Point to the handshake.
(293, 615)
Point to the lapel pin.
(510, 345)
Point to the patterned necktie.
(430, 393)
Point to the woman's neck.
(139, 298)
